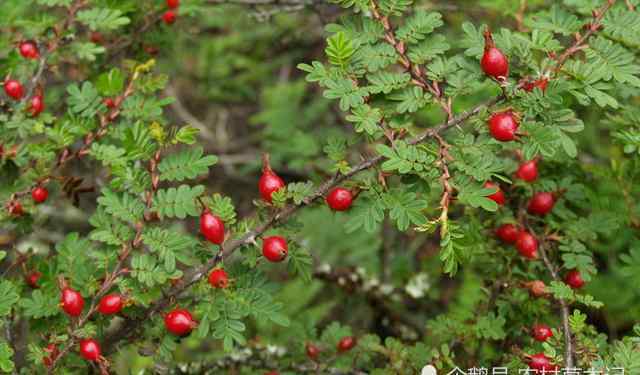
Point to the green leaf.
(109, 231)
(187, 164)
(366, 214)
(187, 135)
(385, 82)
(124, 206)
(88, 51)
(110, 83)
(417, 27)
(102, 19)
(366, 119)
(83, 100)
(40, 305)
(300, 262)
(170, 246)
(9, 297)
(298, 191)
(339, 50)
(178, 202)
(405, 208)
(6, 355)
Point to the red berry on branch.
(574, 279)
(109, 103)
(51, 352)
(13, 89)
(275, 248)
(346, 343)
(541, 332)
(15, 208)
(540, 83)
(269, 181)
(96, 37)
(179, 322)
(72, 302)
(90, 350)
(173, 4)
(111, 304)
(169, 17)
(36, 105)
(494, 63)
(32, 279)
(312, 351)
(541, 203)
(527, 245)
(218, 278)
(29, 49)
(541, 363)
(498, 196)
(39, 194)
(528, 171)
(339, 199)
(503, 126)
(272, 373)
(508, 233)
(212, 227)
(537, 288)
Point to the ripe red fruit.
(494, 63)
(90, 350)
(109, 103)
(111, 304)
(39, 194)
(527, 245)
(312, 351)
(173, 4)
(541, 332)
(503, 126)
(71, 301)
(51, 352)
(272, 373)
(346, 343)
(96, 37)
(574, 279)
(498, 196)
(212, 227)
(528, 171)
(339, 199)
(540, 83)
(508, 233)
(29, 49)
(169, 17)
(32, 279)
(15, 208)
(541, 203)
(13, 89)
(179, 322)
(269, 181)
(36, 105)
(275, 248)
(541, 363)
(218, 278)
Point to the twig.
(447, 194)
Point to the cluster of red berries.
(14, 89)
(39, 194)
(169, 17)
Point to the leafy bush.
(301, 186)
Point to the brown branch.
(445, 177)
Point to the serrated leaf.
(187, 164)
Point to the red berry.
(15, 208)
(272, 373)
(312, 351)
(340, 199)
(503, 126)
(72, 302)
(528, 171)
(540, 83)
(32, 279)
(29, 49)
(13, 89)
(527, 245)
(508, 233)
(169, 17)
(218, 278)
(498, 196)
(346, 343)
(39, 194)
(275, 248)
(109, 103)
(173, 4)
(494, 63)
(36, 105)
(179, 322)
(541, 332)
(537, 288)
(269, 181)
(90, 350)
(212, 227)
(541, 363)
(51, 352)
(111, 304)
(574, 279)
(541, 203)
(96, 37)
